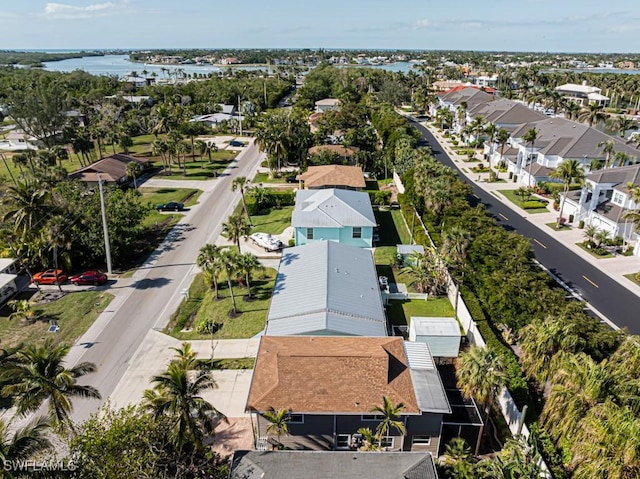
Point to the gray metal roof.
(331, 465)
(617, 176)
(407, 249)
(326, 287)
(506, 112)
(427, 384)
(424, 326)
(332, 208)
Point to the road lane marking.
(590, 282)
(539, 243)
(503, 217)
(476, 196)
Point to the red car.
(49, 277)
(89, 277)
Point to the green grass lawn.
(633, 277)
(201, 304)
(594, 253)
(155, 196)
(553, 224)
(517, 200)
(282, 180)
(393, 231)
(399, 312)
(274, 222)
(201, 168)
(75, 312)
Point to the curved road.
(615, 302)
(156, 288)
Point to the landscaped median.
(524, 199)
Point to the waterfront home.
(582, 94)
(326, 288)
(330, 385)
(339, 215)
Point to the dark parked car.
(89, 277)
(171, 206)
(49, 277)
(236, 143)
(291, 179)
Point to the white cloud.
(63, 11)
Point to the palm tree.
(517, 460)
(607, 148)
(634, 214)
(458, 460)
(390, 418)
(568, 171)
(41, 376)
(177, 393)
(133, 170)
(592, 113)
(241, 183)
(23, 443)
(502, 138)
(277, 423)
(622, 124)
(229, 263)
(235, 228)
(247, 264)
(540, 341)
(22, 309)
(57, 235)
(370, 440)
(209, 260)
(571, 110)
(491, 130)
(589, 234)
(530, 137)
(27, 204)
(481, 373)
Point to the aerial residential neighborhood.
(416, 261)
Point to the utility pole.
(107, 247)
(239, 115)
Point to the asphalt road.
(615, 302)
(156, 291)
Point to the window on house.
(618, 198)
(309, 233)
(343, 441)
(371, 417)
(295, 418)
(421, 440)
(357, 232)
(387, 442)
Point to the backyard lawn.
(201, 168)
(202, 305)
(264, 178)
(75, 312)
(512, 196)
(392, 231)
(274, 222)
(400, 312)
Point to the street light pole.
(240, 115)
(107, 247)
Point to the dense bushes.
(380, 198)
(534, 204)
(264, 198)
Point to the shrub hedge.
(533, 204)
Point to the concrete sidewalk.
(154, 354)
(615, 267)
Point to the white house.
(18, 140)
(8, 275)
(328, 104)
(582, 94)
(604, 199)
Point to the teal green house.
(343, 216)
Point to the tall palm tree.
(41, 375)
(622, 124)
(247, 264)
(502, 137)
(209, 260)
(177, 393)
(530, 138)
(24, 443)
(277, 423)
(235, 228)
(27, 204)
(57, 235)
(481, 374)
(241, 183)
(592, 113)
(571, 110)
(607, 148)
(490, 130)
(568, 171)
(133, 170)
(634, 214)
(390, 418)
(229, 263)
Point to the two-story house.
(333, 214)
(333, 176)
(582, 94)
(330, 385)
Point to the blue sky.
(513, 25)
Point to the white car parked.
(266, 241)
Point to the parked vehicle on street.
(171, 206)
(236, 143)
(88, 277)
(49, 276)
(266, 241)
(291, 179)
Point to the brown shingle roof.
(338, 149)
(326, 375)
(111, 168)
(333, 175)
